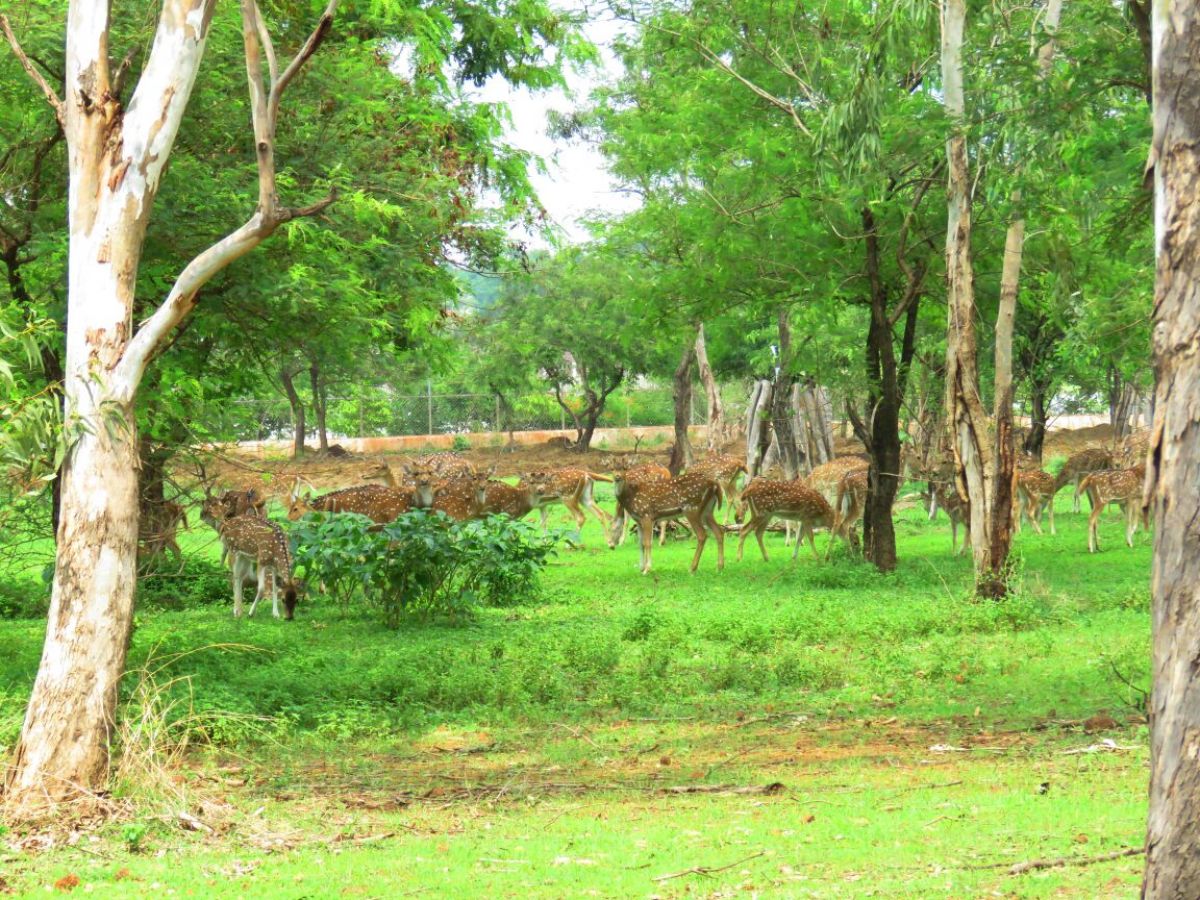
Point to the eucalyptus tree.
(117, 152)
(1173, 463)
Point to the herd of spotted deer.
(832, 497)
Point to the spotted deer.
(459, 498)
(850, 501)
(1035, 493)
(945, 497)
(498, 498)
(1078, 466)
(245, 503)
(692, 495)
(792, 501)
(724, 470)
(157, 528)
(1120, 486)
(573, 489)
(379, 504)
(639, 473)
(824, 478)
(445, 465)
(254, 545)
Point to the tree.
(1173, 464)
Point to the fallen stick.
(1035, 864)
(775, 787)
(707, 870)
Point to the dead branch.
(1034, 865)
(708, 870)
(37, 76)
(775, 787)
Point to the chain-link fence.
(378, 412)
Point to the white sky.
(576, 182)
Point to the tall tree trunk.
(781, 407)
(816, 410)
(974, 453)
(115, 160)
(319, 404)
(289, 387)
(717, 432)
(681, 452)
(1035, 438)
(1173, 476)
(757, 430)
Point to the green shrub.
(461, 442)
(24, 600)
(200, 582)
(423, 563)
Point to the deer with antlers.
(694, 496)
(255, 547)
(792, 501)
(1120, 486)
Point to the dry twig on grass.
(707, 870)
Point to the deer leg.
(1131, 522)
(646, 539)
(760, 529)
(812, 541)
(1093, 535)
(1035, 517)
(718, 532)
(801, 531)
(1050, 508)
(572, 505)
(262, 583)
(238, 574)
(545, 519)
(743, 533)
(696, 521)
(590, 502)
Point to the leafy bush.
(23, 599)
(460, 443)
(424, 563)
(200, 582)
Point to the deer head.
(301, 501)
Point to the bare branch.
(123, 71)
(264, 35)
(309, 48)
(37, 76)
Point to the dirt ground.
(275, 477)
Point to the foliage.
(422, 564)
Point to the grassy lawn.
(923, 743)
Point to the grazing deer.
(724, 470)
(792, 501)
(1132, 449)
(1035, 492)
(639, 473)
(157, 527)
(379, 504)
(254, 544)
(1079, 465)
(459, 498)
(824, 479)
(850, 502)
(573, 489)
(1121, 486)
(649, 502)
(944, 495)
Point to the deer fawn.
(253, 543)
(573, 489)
(724, 470)
(379, 504)
(691, 495)
(944, 496)
(640, 473)
(1035, 492)
(1121, 486)
(792, 501)
(1079, 465)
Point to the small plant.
(133, 834)
(460, 443)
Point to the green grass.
(827, 677)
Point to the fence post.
(562, 419)
(496, 426)
(429, 406)
(361, 429)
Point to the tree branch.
(37, 76)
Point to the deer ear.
(492, 470)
